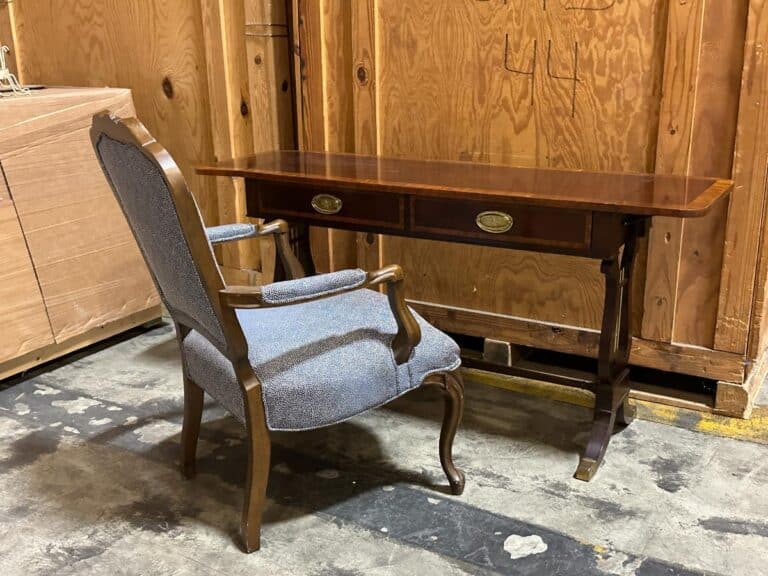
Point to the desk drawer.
(502, 222)
(335, 207)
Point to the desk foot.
(586, 470)
(626, 414)
(602, 429)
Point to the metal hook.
(7, 80)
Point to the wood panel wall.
(743, 300)
(632, 86)
(153, 47)
(524, 84)
(541, 84)
(703, 64)
(271, 85)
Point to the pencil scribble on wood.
(532, 68)
(531, 71)
(575, 78)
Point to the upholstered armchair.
(293, 355)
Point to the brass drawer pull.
(494, 222)
(327, 204)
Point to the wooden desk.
(595, 215)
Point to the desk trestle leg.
(298, 238)
(612, 388)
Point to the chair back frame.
(132, 132)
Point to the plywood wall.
(560, 84)
(154, 47)
(642, 86)
(523, 84)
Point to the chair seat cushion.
(321, 362)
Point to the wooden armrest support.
(408, 331)
(280, 229)
(273, 227)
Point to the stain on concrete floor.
(89, 485)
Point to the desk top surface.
(638, 194)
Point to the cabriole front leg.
(452, 387)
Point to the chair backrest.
(165, 221)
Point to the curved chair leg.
(190, 430)
(258, 474)
(452, 386)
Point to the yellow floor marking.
(754, 430)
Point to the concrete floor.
(89, 485)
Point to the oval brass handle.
(327, 204)
(494, 222)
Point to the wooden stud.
(743, 276)
(230, 116)
(698, 109)
(364, 108)
(339, 126)
(272, 88)
(712, 146)
(683, 48)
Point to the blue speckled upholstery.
(148, 205)
(294, 291)
(319, 362)
(323, 361)
(230, 232)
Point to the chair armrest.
(312, 287)
(328, 285)
(230, 232)
(277, 228)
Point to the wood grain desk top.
(637, 194)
